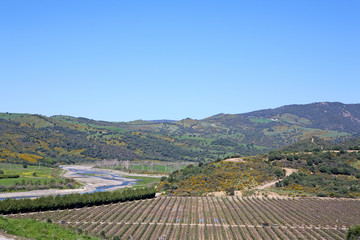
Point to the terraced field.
(213, 218)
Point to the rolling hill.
(66, 139)
(316, 168)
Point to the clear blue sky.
(126, 60)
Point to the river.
(93, 180)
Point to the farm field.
(41, 171)
(31, 178)
(212, 218)
(145, 166)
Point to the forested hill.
(333, 116)
(27, 137)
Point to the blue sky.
(127, 60)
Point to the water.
(113, 177)
(95, 174)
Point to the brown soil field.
(213, 218)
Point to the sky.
(126, 60)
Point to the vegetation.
(74, 200)
(29, 184)
(219, 176)
(144, 181)
(143, 167)
(212, 218)
(323, 115)
(326, 169)
(20, 177)
(321, 185)
(353, 233)
(34, 139)
(30, 228)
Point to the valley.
(91, 179)
(287, 173)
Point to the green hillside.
(320, 170)
(64, 139)
(220, 176)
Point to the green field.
(206, 140)
(13, 181)
(31, 175)
(30, 228)
(147, 166)
(157, 168)
(43, 172)
(144, 181)
(12, 115)
(260, 120)
(335, 134)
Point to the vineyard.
(212, 218)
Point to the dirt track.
(234, 160)
(288, 171)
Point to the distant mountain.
(333, 116)
(161, 121)
(284, 125)
(27, 137)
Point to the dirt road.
(234, 160)
(288, 171)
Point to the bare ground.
(234, 160)
(90, 182)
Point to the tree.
(309, 162)
(279, 172)
(230, 191)
(353, 233)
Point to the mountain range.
(66, 139)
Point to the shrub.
(353, 233)
(322, 194)
(230, 191)
(279, 172)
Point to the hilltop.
(66, 139)
(314, 168)
(334, 116)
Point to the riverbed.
(93, 180)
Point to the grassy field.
(205, 140)
(29, 174)
(161, 168)
(146, 166)
(144, 181)
(44, 172)
(30, 228)
(260, 120)
(12, 115)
